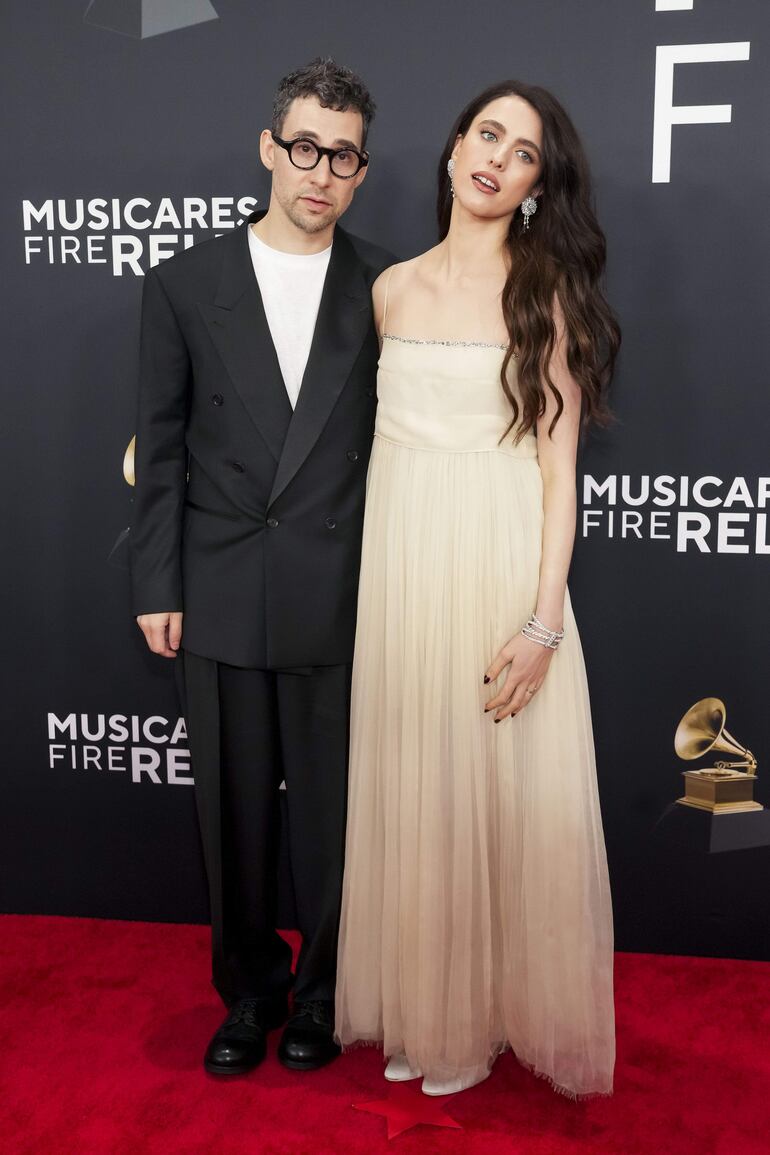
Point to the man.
(256, 413)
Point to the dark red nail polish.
(486, 679)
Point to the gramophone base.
(726, 792)
(696, 831)
(720, 808)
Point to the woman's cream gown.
(476, 905)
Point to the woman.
(476, 904)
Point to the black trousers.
(249, 730)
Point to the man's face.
(313, 199)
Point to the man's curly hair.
(332, 85)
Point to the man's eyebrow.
(340, 142)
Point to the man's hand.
(162, 631)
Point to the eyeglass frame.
(322, 150)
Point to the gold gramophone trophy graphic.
(725, 787)
(118, 554)
(128, 462)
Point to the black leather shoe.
(307, 1041)
(241, 1042)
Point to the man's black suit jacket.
(248, 516)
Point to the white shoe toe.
(399, 1071)
(452, 1086)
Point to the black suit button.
(238, 466)
(352, 455)
(217, 398)
(273, 522)
(330, 523)
(370, 392)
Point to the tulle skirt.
(476, 905)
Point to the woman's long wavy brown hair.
(562, 253)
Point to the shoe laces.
(244, 1012)
(316, 1009)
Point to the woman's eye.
(488, 134)
(523, 153)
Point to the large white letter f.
(668, 114)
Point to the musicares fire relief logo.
(129, 236)
(150, 749)
(708, 514)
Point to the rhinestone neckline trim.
(421, 341)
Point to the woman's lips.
(485, 183)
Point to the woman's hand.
(528, 662)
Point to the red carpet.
(104, 1025)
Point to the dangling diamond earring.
(450, 167)
(528, 208)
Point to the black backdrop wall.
(134, 132)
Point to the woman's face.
(499, 160)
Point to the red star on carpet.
(406, 1106)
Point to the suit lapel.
(238, 326)
(344, 318)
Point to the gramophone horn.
(703, 729)
(128, 462)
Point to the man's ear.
(360, 176)
(267, 149)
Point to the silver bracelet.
(537, 632)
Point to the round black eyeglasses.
(304, 153)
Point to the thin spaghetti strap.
(388, 275)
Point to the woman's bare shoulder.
(394, 273)
(402, 271)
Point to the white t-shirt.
(291, 285)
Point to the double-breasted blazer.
(247, 515)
